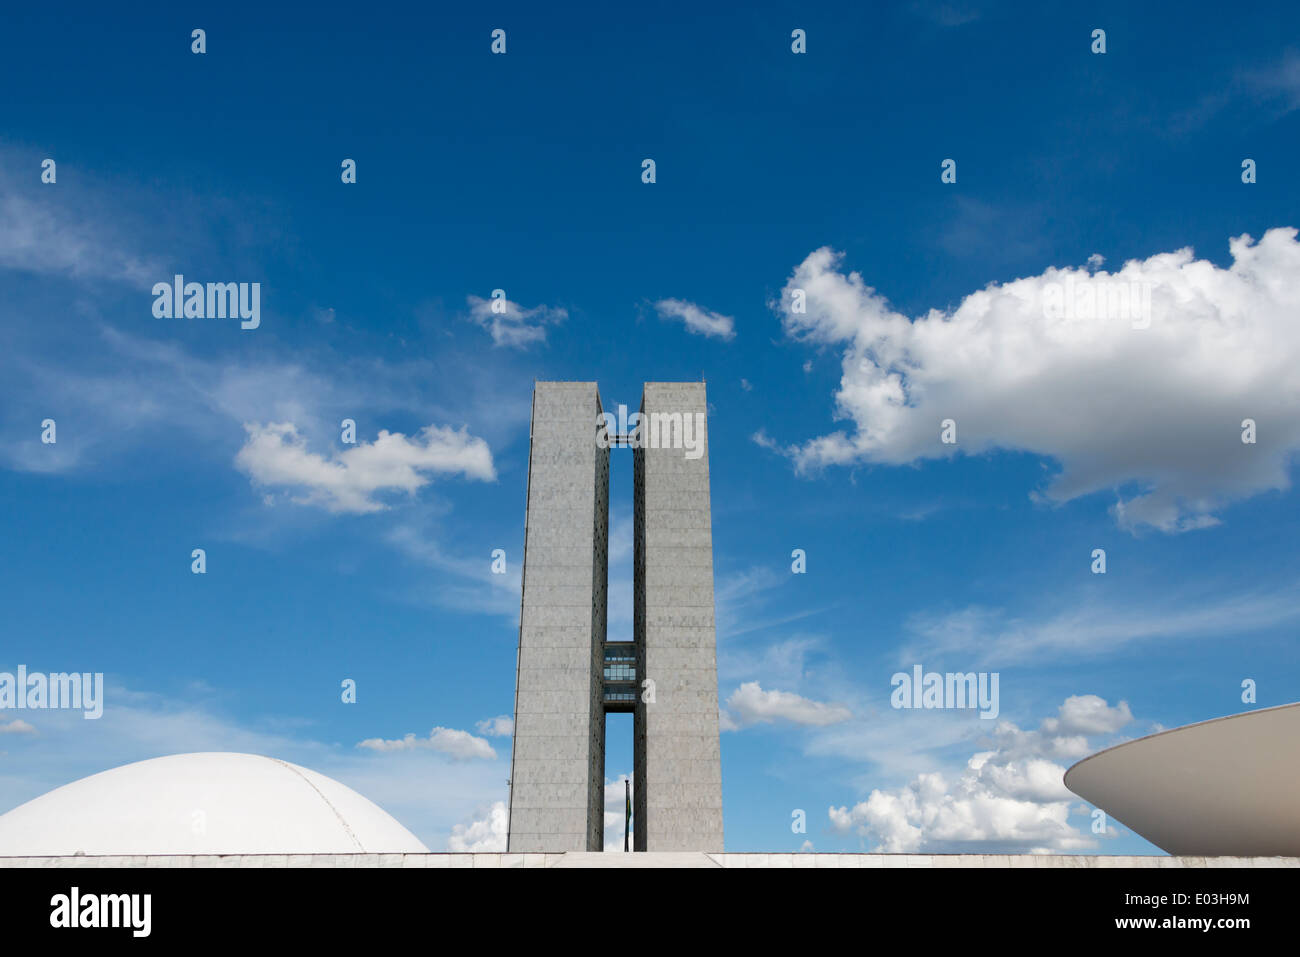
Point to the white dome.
(206, 803)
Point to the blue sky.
(523, 172)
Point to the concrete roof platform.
(649, 859)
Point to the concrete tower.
(557, 776)
(677, 775)
(569, 676)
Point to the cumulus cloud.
(750, 704)
(485, 834)
(510, 324)
(701, 321)
(1058, 365)
(1088, 714)
(1011, 798)
(275, 455)
(459, 745)
(502, 726)
(17, 726)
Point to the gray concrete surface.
(677, 771)
(557, 770)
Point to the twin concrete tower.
(569, 675)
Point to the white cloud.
(275, 455)
(502, 726)
(515, 326)
(1011, 798)
(742, 597)
(459, 745)
(701, 321)
(483, 835)
(1157, 410)
(1089, 714)
(750, 704)
(17, 726)
(479, 590)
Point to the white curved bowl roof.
(1228, 787)
(205, 803)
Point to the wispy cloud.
(1089, 628)
(470, 583)
(741, 598)
(783, 661)
(48, 239)
(512, 325)
(115, 397)
(1273, 89)
(697, 319)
